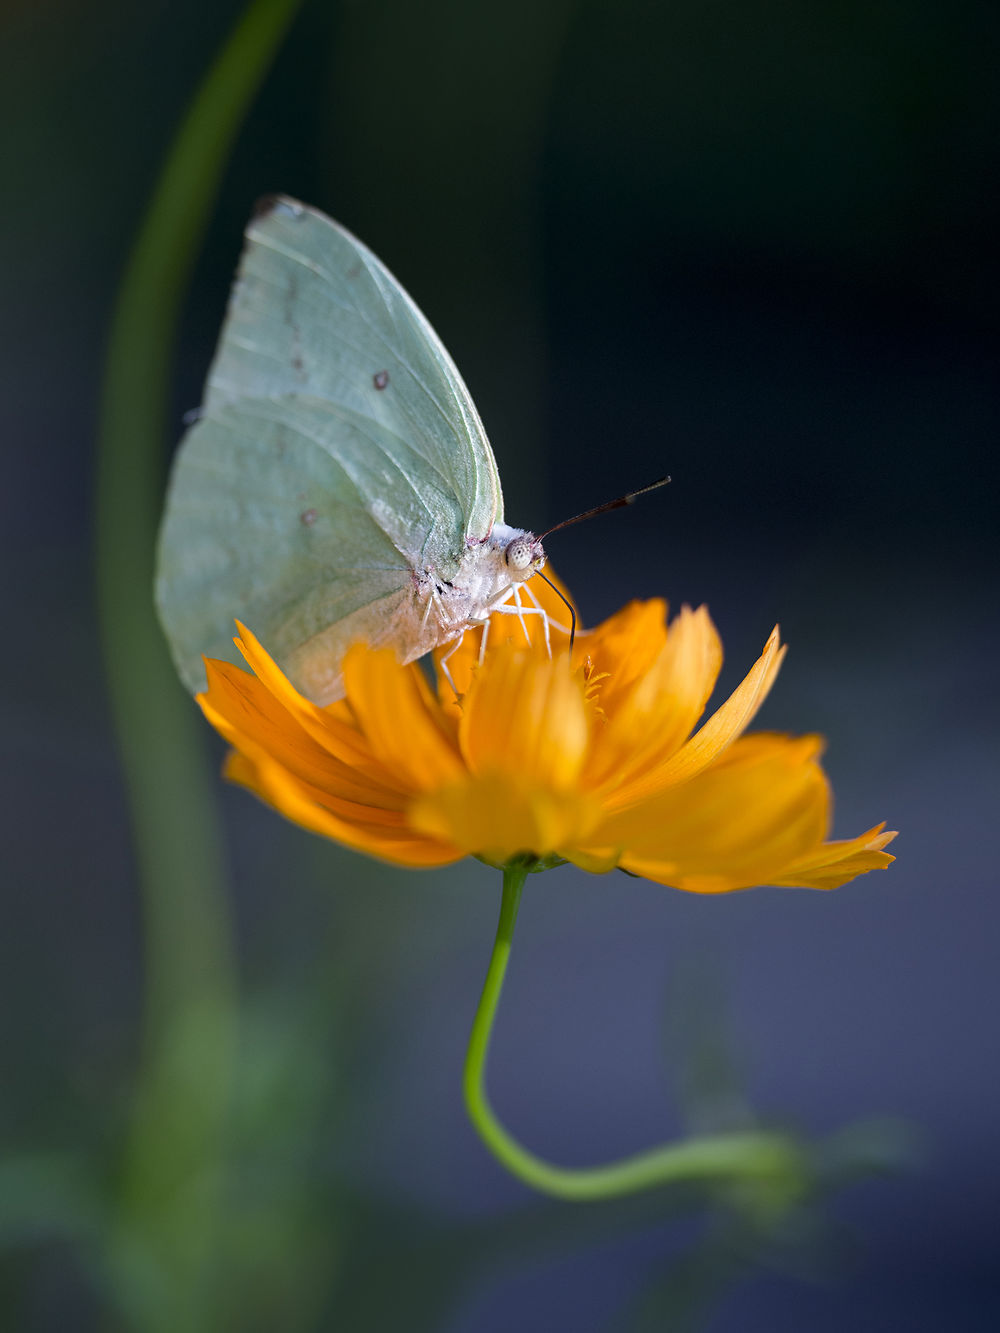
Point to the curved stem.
(768, 1158)
(162, 1248)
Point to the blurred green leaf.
(49, 1196)
(162, 1253)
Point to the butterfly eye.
(518, 554)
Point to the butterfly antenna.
(603, 509)
(568, 604)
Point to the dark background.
(752, 245)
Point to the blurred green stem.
(772, 1160)
(161, 1253)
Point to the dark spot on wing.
(266, 204)
(275, 203)
(308, 517)
(380, 379)
(291, 295)
(355, 270)
(290, 302)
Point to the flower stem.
(163, 1244)
(768, 1158)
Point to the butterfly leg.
(522, 611)
(555, 624)
(520, 615)
(433, 604)
(545, 620)
(443, 662)
(504, 608)
(482, 641)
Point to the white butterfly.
(337, 484)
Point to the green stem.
(170, 1218)
(768, 1158)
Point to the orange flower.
(592, 758)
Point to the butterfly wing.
(337, 450)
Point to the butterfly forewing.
(337, 451)
(314, 312)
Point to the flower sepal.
(526, 861)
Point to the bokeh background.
(753, 245)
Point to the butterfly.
(337, 484)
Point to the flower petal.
(246, 713)
(400, 718)
(331, 727)
(649, 720)
(499, 815)
(397, 843)
(764, 806)
(625, 646)
(526, 716)
(834, 863)
(709, 742)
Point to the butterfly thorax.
(487, 575)
(437, 609)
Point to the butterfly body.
(337, 484)
(432, 612)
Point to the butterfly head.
(523, 556)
